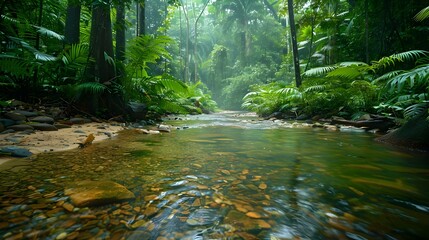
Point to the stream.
(226, 176)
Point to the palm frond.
(49, 33)
(422, 15)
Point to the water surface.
(227, 176)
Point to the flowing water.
(226, 176)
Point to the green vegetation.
(342, 58)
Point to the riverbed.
(225, 176)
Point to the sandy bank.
(63, 139)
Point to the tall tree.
(120, 31)
(72, 30)
(196, 41)
(294, 43)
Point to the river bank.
(54, 141)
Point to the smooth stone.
(43, 119)
(203, 216)
(16, 151)
(61, 126)
(7, 122)
(79, 120)
(16, 116)
(27, 113)
(96, 193)
(44, 127)
(21, 127)
(8, 131)
(164, 128)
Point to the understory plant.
(351, 89)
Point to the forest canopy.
(300, 58)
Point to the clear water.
(228, 177)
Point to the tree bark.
(196, 43)
(120, 31)
(101, 43)
(294, 44)
(142, 18)
(39, 23)
(72, 28)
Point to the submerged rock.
(202, 217)
(96, 193)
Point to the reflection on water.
(226, 178)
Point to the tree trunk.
(120, 31)
(196, 43)
(294, 44)
(72, 28)
(186, 68)
(142, 18)
(366, 33)
(101, 68)
(39, 23)
(101, 43)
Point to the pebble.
(253, 215)
(62, 235)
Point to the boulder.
(20, 127)
(43, 119)
(96, 193)
(27, 113)
(16, 151)
(413, 134)
(164, 128)
(44, 127)
(7, 122)
(79, 120)
(16, 116)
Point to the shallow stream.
(226, 176)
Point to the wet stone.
(203, 217)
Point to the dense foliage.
(355, 57)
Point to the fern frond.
(351, 72)
(316, 88)
(419, 74)
(410, 55)
(422, 15)
(416, 109)
(90, 88)
(319, 71)
(388, 76)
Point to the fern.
(319, 71)
(89, 89)
(315, 88)
(419, 74)
(416, 109)
(350, 72)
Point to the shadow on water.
(226, 176)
